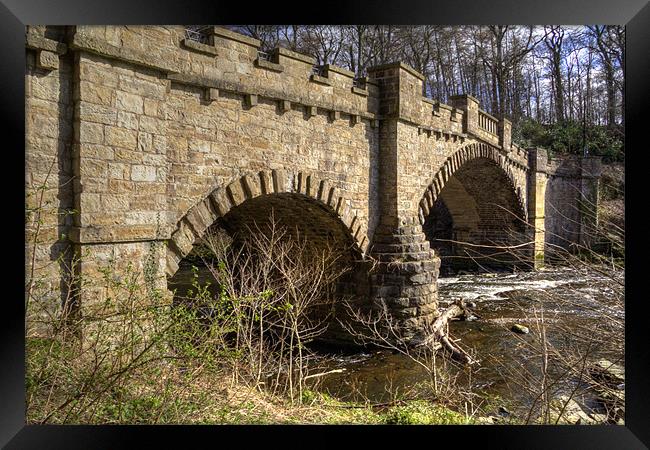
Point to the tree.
(553, 39)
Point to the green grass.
(420, 412)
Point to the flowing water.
(568, 300)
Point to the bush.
(567, 138)
(423, 413)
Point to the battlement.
(217, 59)
(224, 60)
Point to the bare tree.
(553, 40)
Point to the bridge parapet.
(230, 62)
(518, 154)
(482, 125)
(401, 98)
(488, 123)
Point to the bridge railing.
(488, 123)
(200, 34)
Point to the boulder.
(570, 412)
(608, 372)
(521, 329)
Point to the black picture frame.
(15, 14)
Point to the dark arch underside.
(302, 219)
(475, 213)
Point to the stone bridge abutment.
(161, 136)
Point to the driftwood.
(439, 331)
(324, 373)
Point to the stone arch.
(454, 162)
(192, 226)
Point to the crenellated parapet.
(230, 62)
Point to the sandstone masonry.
(145, 136)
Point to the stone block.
(220, 201)
(236, 193)
(199, 47)
(263, 63)
(250, 100)
(285, 105)
(320, 79)
(98, 113)
(211, 94)
(95, 93)
(171, 259)
(280, 181)
(128, 102)
(399, 302)
(92, 133)
(201, 217)
(127, 120)
(151, 107)
(89, 203)
(266, 183)
(183, 238)
(251, 185)
(121, 137)
(143, 173)
(47, 60)
(145, 142)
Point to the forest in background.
(561, 86)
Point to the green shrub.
(566, 138)
(420, 412)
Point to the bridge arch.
(259, 190)
(474, 199)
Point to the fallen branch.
(438, 332)
(324, 373)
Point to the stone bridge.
(148, 134)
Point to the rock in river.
(517, 328)
(607, 371)
(565, 410)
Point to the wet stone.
(520, 329)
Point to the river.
(574, 303)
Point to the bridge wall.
(571, 201)
(153, 137)
(49, 112)
(159, 124)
